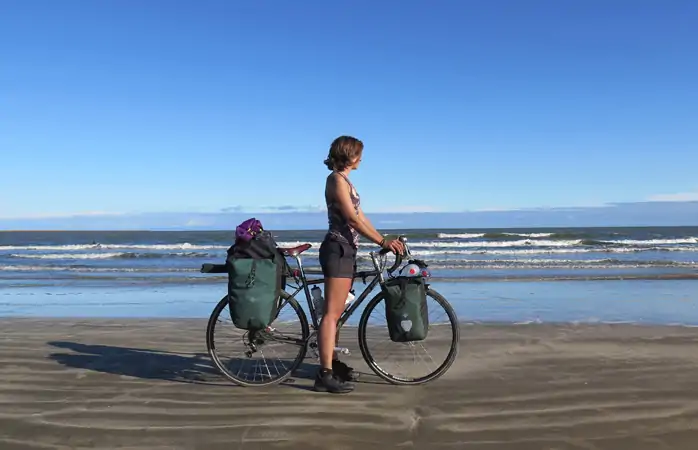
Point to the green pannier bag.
(406, 308)
(256, 278)
(253, 292)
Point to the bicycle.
(257, 341)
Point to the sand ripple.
(141, 385)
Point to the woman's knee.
(332, 318)
(336, 291)
(334, 307)
(332, 312)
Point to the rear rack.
(213, 268)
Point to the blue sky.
(199, 107)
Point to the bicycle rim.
(444, 336)
(268, 367)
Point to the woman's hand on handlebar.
(394, 245)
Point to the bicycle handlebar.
(398, 256)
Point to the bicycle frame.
(304, 285)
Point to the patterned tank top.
(339, 228)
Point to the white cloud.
(677, 197)
(198, 223)
(273, 209)
(493, 209)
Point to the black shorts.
(337, 259)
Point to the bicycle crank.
(313, 346)
(314, 349)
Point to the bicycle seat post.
(299, 263)
(304, 283)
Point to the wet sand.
(72, 384)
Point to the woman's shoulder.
(336, 180)
(333, 178)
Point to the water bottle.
(318, 301)
(350, 298)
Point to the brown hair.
(343, 151)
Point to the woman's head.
(345, 153)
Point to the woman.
(338, 255)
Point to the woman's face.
(355, 164)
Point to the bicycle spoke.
(259, 357)
(410, 362)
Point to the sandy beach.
(136, 384)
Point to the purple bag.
(248, 229)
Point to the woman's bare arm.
(368, 223)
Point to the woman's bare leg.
(336, 291)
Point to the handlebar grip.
(398, 256)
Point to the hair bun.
(342, 152)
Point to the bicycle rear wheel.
(233, 350)
(388, 359)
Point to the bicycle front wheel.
(410, 363)
(263, 357)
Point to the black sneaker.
(325, 381)
(344, 372)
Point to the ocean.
(639, 274)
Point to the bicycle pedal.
(342, 351)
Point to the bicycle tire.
(211, 347)
(448, 362)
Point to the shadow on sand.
(157, 364)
